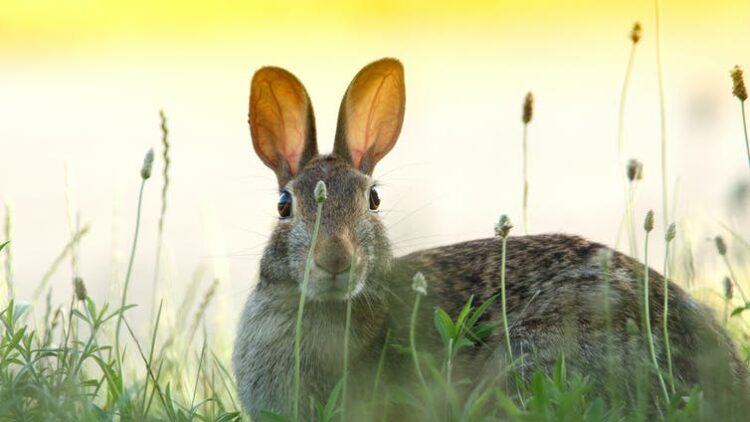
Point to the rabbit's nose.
(333, 255)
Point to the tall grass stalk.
(525, 180)
(347, 334)
(648, 226)
(144, 408)
(163, 210)
(320, 197)
(744, 128)
(503, 229)
(381, 363)
(662, 115)
(668, 237)
(635, 36)
(145, 175)
(419, 285)
(126, 283)
(606, 257)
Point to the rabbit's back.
(567, 294)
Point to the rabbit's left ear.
(371, 114)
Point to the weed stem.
(502, 298)
(744, 128)
(662, 115)
(665, 317)
(347, 328)
(621, 149)
(647, 319)
(412, 342)
(301, 309)
(121, 315)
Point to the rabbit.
(562, 291)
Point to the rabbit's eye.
(374, 199)
(285, 205)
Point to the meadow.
(82, 360)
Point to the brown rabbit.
(564, 293)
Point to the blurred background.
(82, 83)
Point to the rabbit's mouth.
(324, 286)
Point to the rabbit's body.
(562, 295)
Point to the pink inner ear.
(292, 158)
(357, 155)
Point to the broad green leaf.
(444, 325)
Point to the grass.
(668, 237)
(321, 198)
(73, 361)
(503, 230)
(662, 114)
(649, 226)
(420, 288)
(635, 36)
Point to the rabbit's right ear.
(282, 124)
(371, 114)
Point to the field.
(85, 360)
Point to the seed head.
(148, 163)
(503, 226)
(648, 223)
(635, 33)
(671, 232)
(528, 108)
(80, 289)
(419, 284)
(321, 193)
(634, 170)
(738, 83)
(721, 246)
(728, 289)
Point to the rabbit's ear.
(281, 120)
(371, 114)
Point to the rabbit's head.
(283, 131)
